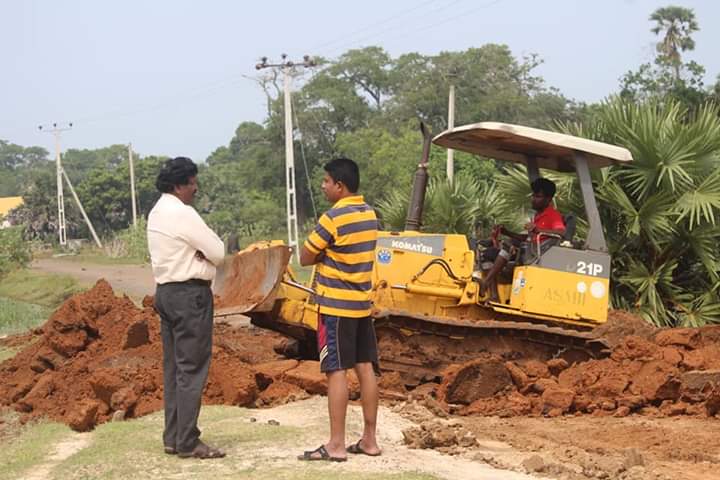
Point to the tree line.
(661, 213)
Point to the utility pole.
(62, 229)
(132, 185)
(291, 199)
(450, 167)
(60, 173)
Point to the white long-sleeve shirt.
(175, 233)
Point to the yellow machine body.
(409, 278)
(425, 282)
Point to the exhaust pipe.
(417, 199)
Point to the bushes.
(14, 250)
(450, 207)
(130, 243)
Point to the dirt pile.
(99, 356)
(658, 373)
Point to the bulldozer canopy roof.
(515, 143)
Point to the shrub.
(14, 250)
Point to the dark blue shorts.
(344, 342)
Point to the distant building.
(7, 204)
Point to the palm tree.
(678, 24)
(661, 212)
(450, 207)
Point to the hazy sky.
(168, 75)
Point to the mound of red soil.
(621, 324)
(100, 354)
(654, 372)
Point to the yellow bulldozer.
(427, 306)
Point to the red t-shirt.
(548, 219)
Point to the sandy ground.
(311, 415)
(280, 454)
(630, 448)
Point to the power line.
(399, 14)
(392, 27)
(307, 174)
(215, 87)
(195, 93)
(448, 19)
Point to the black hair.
(545, 186)
(175, 171)
(344, 170)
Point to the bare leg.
(337, 407)
(369, 400)
(489, 280)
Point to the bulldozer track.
(421, 347)
(552, 336)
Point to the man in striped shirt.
(343, 247)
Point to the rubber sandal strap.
(309, 454)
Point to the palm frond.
(656, 219)
(702, 242)
(652, 286)
(453, 207)
(702, 203)
(450, 207)
(392, 209)
(696, 311)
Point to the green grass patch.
(132, 449)
(39, 288)
(18, 317)
(24, 447)
(256, 450)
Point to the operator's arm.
(555, 231)
(318, 241)
(196, 233)
(520, 237)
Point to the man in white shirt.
(184, 253)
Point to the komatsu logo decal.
(418, 247)
(427, 245)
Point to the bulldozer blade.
(251, 280)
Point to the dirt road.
(261, 444)
(135, 280)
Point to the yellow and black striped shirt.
(343, 278)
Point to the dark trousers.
(186, 313)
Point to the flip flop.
(170, 451)
(358, 450)
(324, 455)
